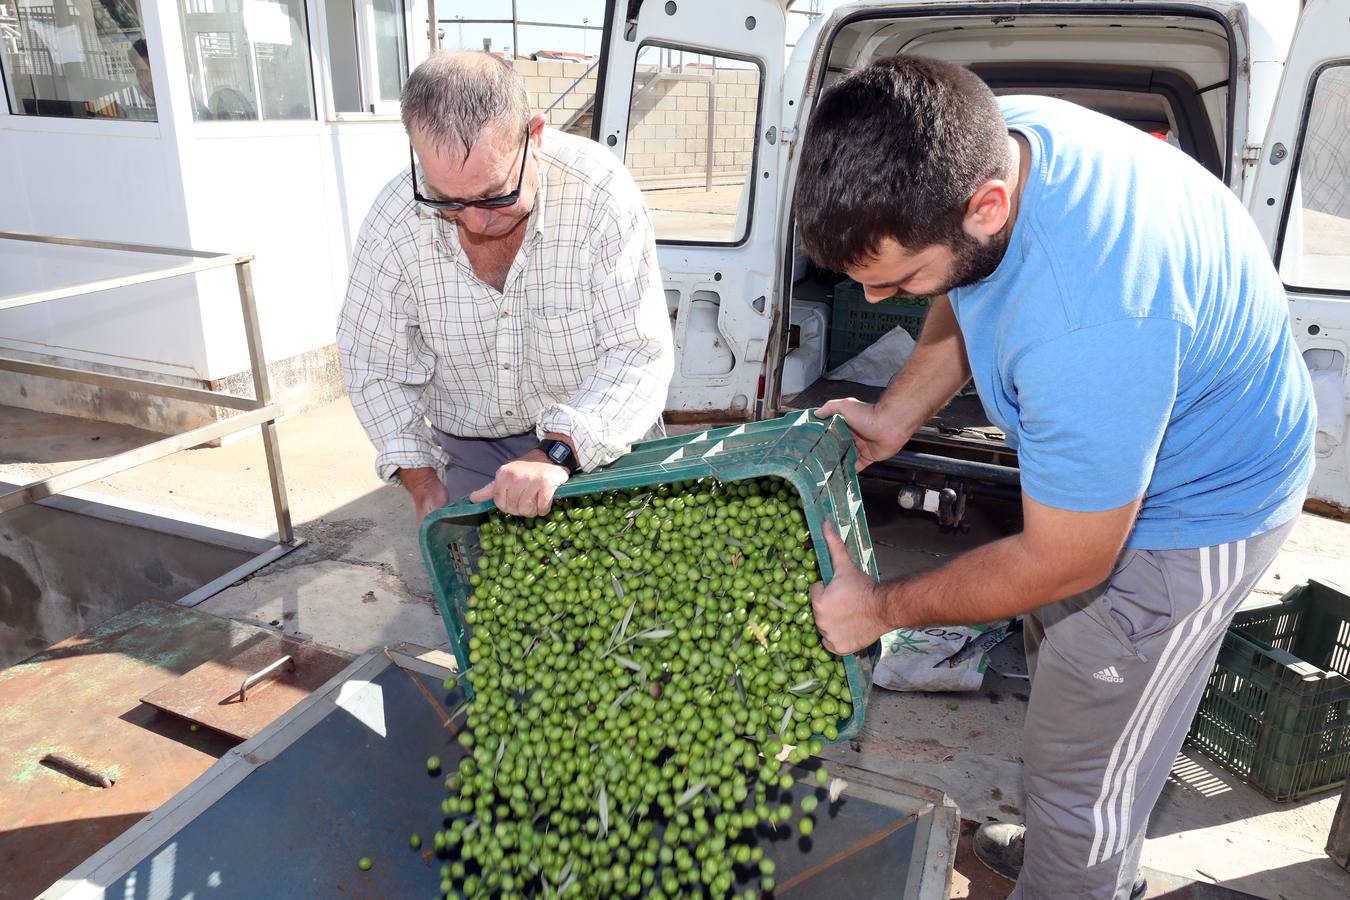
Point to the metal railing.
(668, 71)
(576, 82)
(257, 411)
(515, 22)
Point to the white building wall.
(294, 197)
(293, 194)
(101, 180)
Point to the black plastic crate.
(856, 324)
(1276, 711)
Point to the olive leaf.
(691, 793)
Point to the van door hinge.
(788, 136)
(1251, 154)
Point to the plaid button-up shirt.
(578, 342)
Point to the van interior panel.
(1165, 74)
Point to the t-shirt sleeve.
(1093, 405)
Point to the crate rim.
(854, 662)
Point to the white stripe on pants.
(1116, 675)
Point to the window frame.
(752, 184)
(367, 63)
(311, 50)
(12, 106)
(11, 99)
(1292, 181)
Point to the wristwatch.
(558, 452)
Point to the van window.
(691, 142)
(1316, 251)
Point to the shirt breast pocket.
(563, 349)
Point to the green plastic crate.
(816, 456)
(1276, 711)
(856, 324)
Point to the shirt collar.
(541, 216)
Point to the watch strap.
(560, 453)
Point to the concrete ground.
(359, 583)
(1207, 827)
(695, 214)
(360, 533)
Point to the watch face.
(558, 452)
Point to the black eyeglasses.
(487, 202)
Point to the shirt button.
(506, 366)
(510, 412)
(506, 315)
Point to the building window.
(248, 59)
(367, 54)
(76, 59)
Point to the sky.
(534, 38)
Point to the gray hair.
(453, 97)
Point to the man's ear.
(988, 210)
(536, 126)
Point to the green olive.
(639, 659)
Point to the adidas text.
(1109, 674)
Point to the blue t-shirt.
(1135, 339)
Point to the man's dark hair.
(896, 149)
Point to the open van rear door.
(689, 98)
(1301, 202)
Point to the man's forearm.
(936, 370)
(416, 479)
(993, 582)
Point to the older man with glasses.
(505, 325)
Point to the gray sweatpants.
(1117, 674)
(475, 461)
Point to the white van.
(1262, 104)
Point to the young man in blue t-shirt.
(1126, 329)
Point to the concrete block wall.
(668, 126)
(546, 80)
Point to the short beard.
(972, 261)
